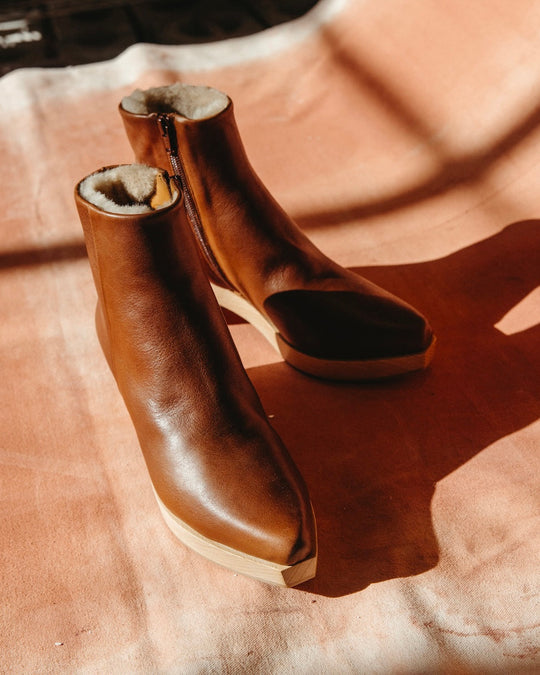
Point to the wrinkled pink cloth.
(405, 139)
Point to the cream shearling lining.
(188, 100)
(128, 188)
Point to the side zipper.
(168, 134)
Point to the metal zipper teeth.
(168, 134)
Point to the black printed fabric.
(65, 32)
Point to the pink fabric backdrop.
(405, 139)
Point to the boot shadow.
(372, 453)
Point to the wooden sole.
(370, 369)
(256, 568)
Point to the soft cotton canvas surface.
(405, 140)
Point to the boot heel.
(330, 369)
(235, 303)
(247, 565)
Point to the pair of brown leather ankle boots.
(170, 239)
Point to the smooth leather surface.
(263, 255)
(213, 458)
(330, 314)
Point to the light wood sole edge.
(372, 369)
(242, 563)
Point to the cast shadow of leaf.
(372, 453)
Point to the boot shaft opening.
(128, 189)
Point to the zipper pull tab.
(170, 143)
(164, 122)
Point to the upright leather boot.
(224, 482)
(324, 319)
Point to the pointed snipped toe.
(343, 328)
(347, 334)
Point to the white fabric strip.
(18, 89)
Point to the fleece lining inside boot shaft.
(190, 101)
(129, 188)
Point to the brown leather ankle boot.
(223, 479)
(325, 320)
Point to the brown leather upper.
(213, 458)
(263, 255)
